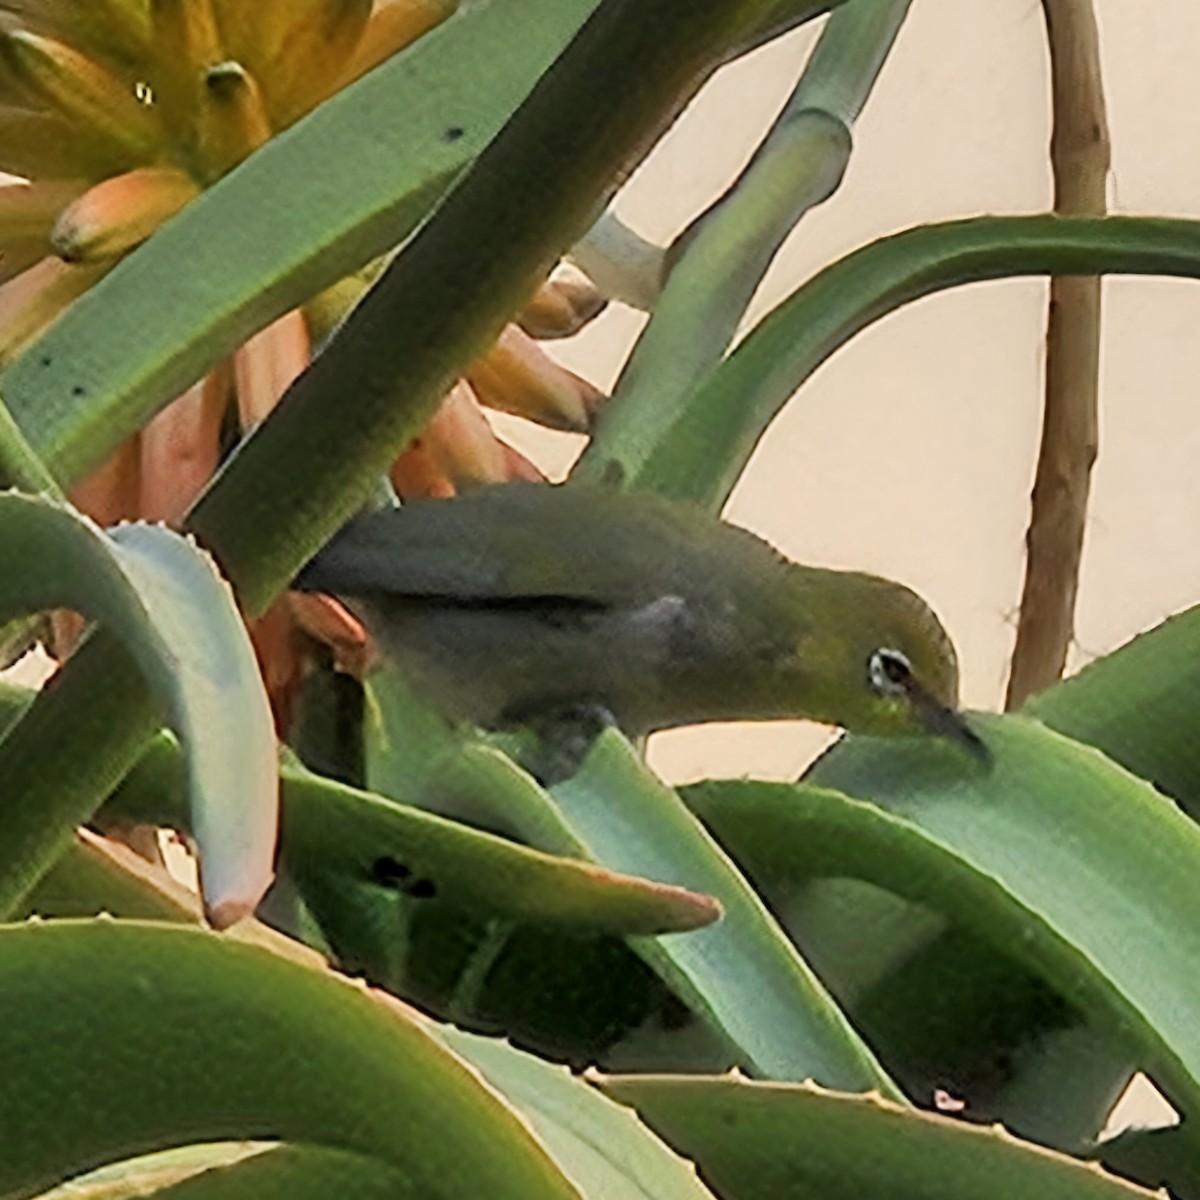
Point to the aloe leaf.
(329, 828)
(922, 963)
(720, 259)
(742, 975)
(770, 1141)
(97, 876)
(1167, 1157)
(746, 980)
(297, 1172)
(150, 1036)
(702, 454)
(1070, 863)
(1130, 704)
(175, 615)
(151, 1174)
(599, 1144)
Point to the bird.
(515, 602)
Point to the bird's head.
(887, 664)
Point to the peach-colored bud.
(264, 367)
(297, 49)
(281, 652)
(109, 494)
(517, 376)
(519, 467)
(181, 447)
(114, 216)
(328, 622)
(416, 473)
(563, 305)
(34, 298)
(231, 118)
(395, 24)
(463, 443)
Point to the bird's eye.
(890, 672)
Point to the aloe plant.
(910, 972)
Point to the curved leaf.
(1068, 862)
(297, 1172)
(163, 598)
(705, 450)
(743, 974)
(717, 263)
(758, 1141)
(98, 876)
(599, 1144)
(329, 828)
(151, 1174)
(1138, 705)
(150, 1036)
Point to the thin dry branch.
(1080, 156)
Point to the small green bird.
(520, 601)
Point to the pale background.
(911, 453)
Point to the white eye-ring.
(890, 672)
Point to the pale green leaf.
(150, 1036)
(759, 1141)
(164, 599)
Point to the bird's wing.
(510, 544)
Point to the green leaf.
(1166, 1157)
(329, 828)
(151, 1036)
(599, 1144)
(1137, 704)
(717, 263)
(96, 876)
(759, 1141)
(151, 1174)
(742, 975)
(1062, 858)
(920, 953)
(702, 454)
(175, 615)
(297, 1172)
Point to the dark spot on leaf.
(390, 873)
(454, 133)
(421, 889)
(78, 390)
(45, 360)
(613, 473)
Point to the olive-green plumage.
(521, 600)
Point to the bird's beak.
(943, 721)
